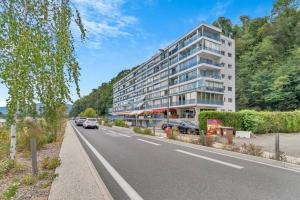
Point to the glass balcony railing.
(183, 102)
(212, 50)
(208, 61)
(210, 101)
(211, 76)
(210, 88)
(212, 36)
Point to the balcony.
(210, 102)
(212, 36)
(183, 102)
(208, 61)
(209, 88)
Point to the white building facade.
(197, 72)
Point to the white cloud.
(104, 19)
(220, 8)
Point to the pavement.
(289, 143)
(78, 179)
(142, 167)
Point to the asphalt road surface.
(135, 167)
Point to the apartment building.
(196, 72)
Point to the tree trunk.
(13, 141)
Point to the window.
(229, 88)
(224, 88)
(229, 77)
(229, 100)
(229, 54)
(229, 66)
(222, 64)
(223, 75)
(223, 53)
(229, 43)
(223, 41)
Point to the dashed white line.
(148, 142)
(210, 159)
(132, 194)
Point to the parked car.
(188, 127)
(90, 123)
(79, 121)
(171, 124)
(184, 127)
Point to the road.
(136, 167)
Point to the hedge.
(257, 122)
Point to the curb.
(99, 181)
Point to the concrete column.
(197, 111)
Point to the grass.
(28, 180)
(11, 191)
(6, 166)
(50, 163)
(145, 131)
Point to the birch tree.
(37, 55)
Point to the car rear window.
(92, 120)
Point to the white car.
(90, 123)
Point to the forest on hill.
(267, 62)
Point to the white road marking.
(233, 156)
(124, 135)
(148, 142)
(132, 194)
(119, 134)
(210, 159)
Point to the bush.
(31, 130)
(11, 191)
(137, 130)
(147, 131)
(4, 143)
(257, 122)
(50, 163)
(28, 179)
(120, 122)
(6, 166)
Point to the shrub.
(28, 179)
(6, 166)
(50, 137)
(4, 143)
(251, 149)
(11, 191)
(147, 131)
(31, 130)
(137, 130)
(50, 163)
(120, 122)
(257, 122)
(108, 124)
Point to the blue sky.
(124, 33)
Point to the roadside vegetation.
(257, 122)
(144, 131)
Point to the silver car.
(90, 123)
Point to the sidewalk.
(78, 179)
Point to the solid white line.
(210, 159)
(132, 194)
(148, 142)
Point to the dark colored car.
(171, 124)
(79, 121)
(185, 127)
